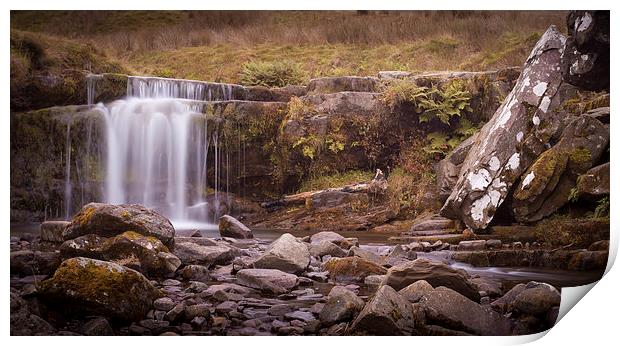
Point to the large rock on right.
(514, 137)
(586, 59)
(547, 184)
(108, 220)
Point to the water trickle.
(68, 186)
(91, 87)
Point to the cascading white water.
(157, 148)
(148, 152)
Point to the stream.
(378, 243)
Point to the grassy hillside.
(215, 45)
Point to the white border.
(591, 321)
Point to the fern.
(602, 208)
(574, 195)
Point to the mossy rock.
(544, 173)
(352, 268)
(109, 220)
(86, 286)
(146, 254)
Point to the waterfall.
(157, 141)
(156, 87)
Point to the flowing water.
(157, 144)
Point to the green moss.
(580, 159)
(546, 168)
(560, 230)
(83, 217)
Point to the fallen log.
(377, 185)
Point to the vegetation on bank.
(215, 45)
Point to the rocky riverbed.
(95, 276)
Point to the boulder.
(352, 268)
(435, 273)
(416, 290)
(546, 186)
(85, 246)
(325, 236)
(286, 253)
(387, 313)
(594, 184)
(452, 310)
(108, 220)
(87, 286)
(327, 248)
(586, 60)
(51, 231)
(512, 139)
(233, 228)
(365, 254)
(192, 253)
(269, 280)
(536, 299)
(145, 253)
(341, 305)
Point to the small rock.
(163, 304)
(194, 272)
(494, 243)
(97, 326)
(270, 280)
(233, 228)
(472, 245)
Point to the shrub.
(442, 103)
(270, 74)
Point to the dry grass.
(214, 44)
